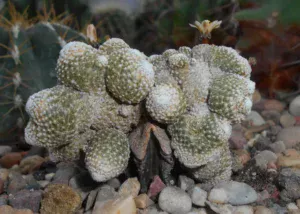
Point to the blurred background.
(32, 32)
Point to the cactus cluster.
(195, 94)
(29, 50)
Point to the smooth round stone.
(243, 209)
(294, 107)
(174, 200)
(199, 196)
(255, 118)
(287, 120)
(264, 157)
(290, 136)
(262, 210)
(235, 193)
(278, 147)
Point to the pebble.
(3, 199)
(143, 201)
(298, 203)
(264, 157)
(198, 211)
(262, 143)
(274, 105)
(49, 176)
(255, 118)
(243, 210)
(105, 193)
(294, 107)
(185, 183)
(1, 186)
(277, 147)
(289, 179)
(91, 199)
(6, 209)
(237, 139)
(16, 183)
(235, 193)
(262, 210)
(64, 173)
(31, 183)
(114, 182)
(287, 120)
(198, 196)
(11, 159)
(4, 150)
(31, 163)
(130, 187)
(43, 184)
(290, 136)
(174, 200)
(292, 206)
(116, 206)
(4, 174)
(156, 187)
(26, 199)
(60, 198)
(256, 97)
(289, 161)
(271, 115)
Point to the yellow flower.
(206, 27)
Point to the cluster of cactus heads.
(29, 50)
(194, 94)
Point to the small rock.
(290, 136)
(31, 163)
(91, 199)
(31, 183)
(116, 206)
(289, 179)
(271, 115)
(26, 199)
(278, 147)
(292, 206)
(143, 201)
(106, 193)
(3, 199)
(60, 198)
(262, 210)
(5, 209)
(237, 139)
(235, 193)
(287, 120)
(114, 182)
(11, 159)
(65, 173)
(130, 187)
(262, 142)
(289, 161)
(218, 196)
(298, 203)
(243, 210)
(255, 118)
(16, 183)
(264, 157)
(291, 153)
(294, 107)
(197, 211)
(174, 200)
(49, 176)
(185, 182)
(156, 187)
(199, 196)
(43, 184)
(274, 105)
(256, 97)
(4, 174)
(4, 150)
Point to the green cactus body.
(107, 155)
(230, 96)
(166, 103)
(130, 76)
(58, 113)
(197, 140)
(81, 67)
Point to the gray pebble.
(26, 199)
(294, 107)
(199, 196)
(289, 179)
(174, 200)
(185, 183)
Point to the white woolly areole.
(73, 49)
(147, 71)
(16, 30)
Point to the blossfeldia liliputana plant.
(192, 95)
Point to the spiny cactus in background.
(28, 54)
(195, 94)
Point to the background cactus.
(28, 54)
(197, 113)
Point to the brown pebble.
(262, 210)
(274, 105)
(291, 153)
(4, 174)
(289, 162)
(31, 163)
(11, 159)
(143, 201)
(130, 187)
